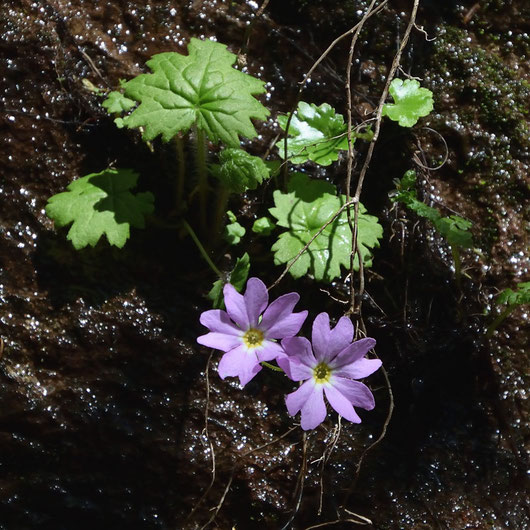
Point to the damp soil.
(103, 388)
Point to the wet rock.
(103, 386)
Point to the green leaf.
(238, 278)
(116, 103)
(263, 226)
(518, 297)
(239, 171)
(200, 88)
(410, 102)
(274, 167)
(315, 133)
(456, 230)
(101, 204)
(406, 194)
(307, 206)
(233, 231)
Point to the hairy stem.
(181, 166)
(202, 173)
(222, 201)
(203, 252)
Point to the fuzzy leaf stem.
(202, 174)
(222, 201)
(202, 250)
(181, 170)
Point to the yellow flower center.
(322, 373)
(253, 338)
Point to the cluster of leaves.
(203, 91)
(200, 89)
(303, 210)
(455, 229)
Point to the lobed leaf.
(456, 230)
(307, 206)
(239, 171)
(520, 296)
(233, 231)
(116, 103)
(101, 204)
(315, 133)
(263, 226)
(200, 88)
(410, 102)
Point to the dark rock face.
(102, 385)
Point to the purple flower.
(328, 367)
(247, 330)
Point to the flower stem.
(271, 366)
(200, 139)
(495, 324)
(181, 165)
(222, 201)
(203, 252)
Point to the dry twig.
(367, 160)
(206, 434)
(299, 484)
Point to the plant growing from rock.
(202, 92)
(455, 229)
(512, 300)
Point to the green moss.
(483, 99)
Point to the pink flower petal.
(329, 342)
(355, 392)
(219, 341)
(297, 399)
(299, 349)
(341, 335)
(310, 400)
(239, 362)
(352, 353)
(314, 411)
(256, 300)
(269, 351)
(321, 336)
(294, 369)
(341, 404)
(288, 327)
(279, 321)
(236, 307)
(217, 320)
(359, 369)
